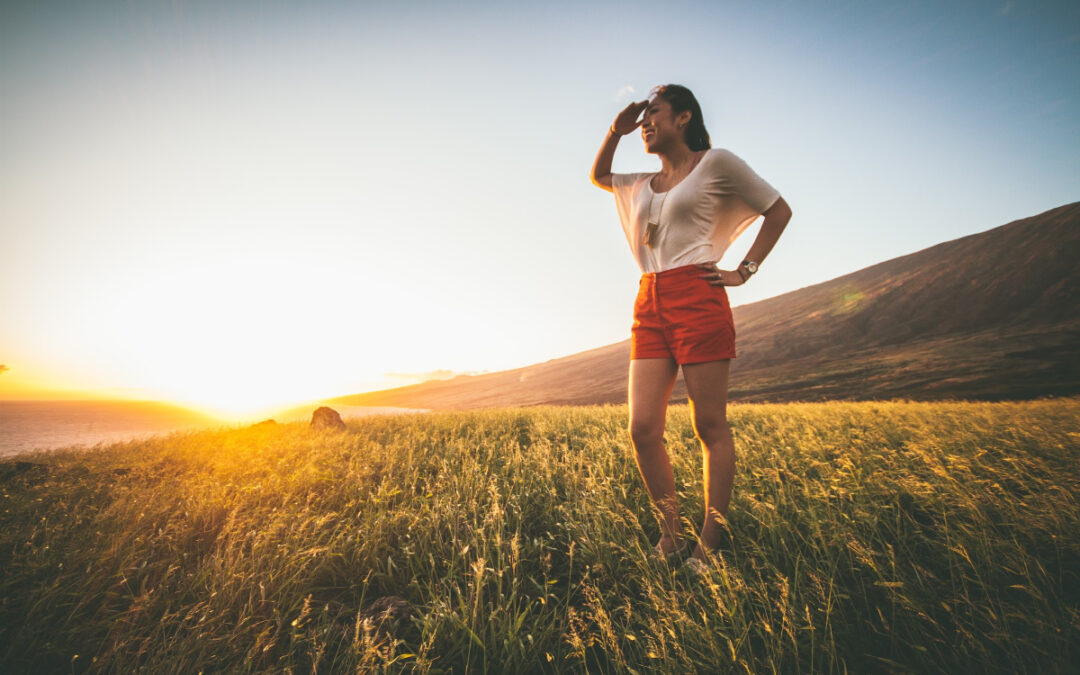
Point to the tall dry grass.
(867, 537)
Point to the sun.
(239, 404)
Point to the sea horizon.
(27, 426)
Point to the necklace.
(653, 226)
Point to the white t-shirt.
(698, 218)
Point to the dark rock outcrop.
(326, 418)
(388, 614)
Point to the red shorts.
(678, 315)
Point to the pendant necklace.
(653, 226)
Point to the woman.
(679, 222)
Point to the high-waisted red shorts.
(678, 315)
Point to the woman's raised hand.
(628, 120)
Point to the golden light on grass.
(867, 537)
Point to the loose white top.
(699, 218)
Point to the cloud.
(1006, 8)
(625, 92)
(3, 369)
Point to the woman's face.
(659, 127)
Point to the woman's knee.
(645, 433)
(711, 429)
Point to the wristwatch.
(750, 266)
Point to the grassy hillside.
(991, 316)
(867, 537)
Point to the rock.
(388, 614)
(265, 424)
(326, 418)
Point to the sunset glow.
(237, 209)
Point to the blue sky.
(227, 202)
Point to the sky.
(237, 205)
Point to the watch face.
(752, 266)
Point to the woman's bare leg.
(651, 382)
(707, 384)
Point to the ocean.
(37, 425)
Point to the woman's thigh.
(707, 387)
(651, 382)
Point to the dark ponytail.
(681, 99)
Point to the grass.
(867, 537)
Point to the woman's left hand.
(719, 277)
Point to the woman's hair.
(680, 99)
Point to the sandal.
(696, 568)
(659, 554)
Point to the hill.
(989, 316)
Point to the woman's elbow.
(780, 210)
(602, 182)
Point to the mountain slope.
(992, 315)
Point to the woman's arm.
(776, 219)
(626, 122)
(601, 168)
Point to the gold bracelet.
(612, 130)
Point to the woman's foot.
(696, 567)
(715, 536)
(669, 547)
